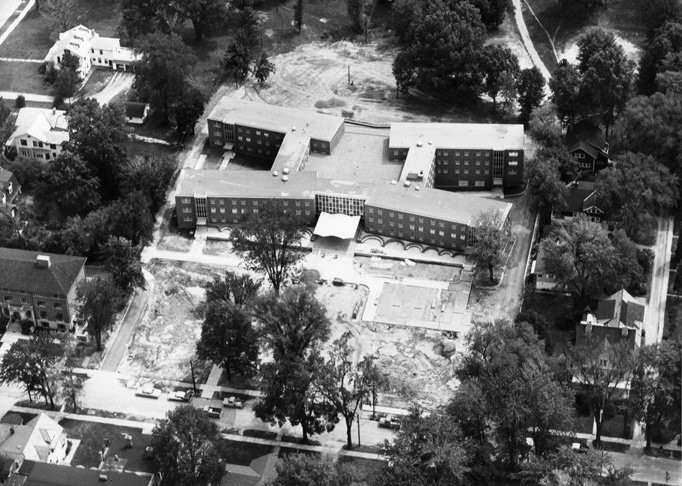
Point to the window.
(257, 132)
(186, 210)
(513, 162)
(222, 210)
(453, 235)
(43, 315)
(463, 183)
(41, 303)
(8, 298)
(53, 146)
(101, 52)
(248, 139)
(400, 216)
(432, 231)
(57, 305)
(513, 154)
(234, 211)
(44, 323)
(421, 229)
(60, 316)
(24, 142)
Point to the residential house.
(9, 188)
(581, 198)
(619, 317)
(545, 279)
(40, 287)
(38, 134)
(34, 473)
(41, 440)
(586, 143)
(136, 113)
(92, 50)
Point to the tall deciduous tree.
(204, 14)
(531, 87)
(566, 97)
(312, 470)
(151, 175)
(263, 68)
(603, 368)
(634, 189)
(238, 289)
(546, 190)
(490, 237)
(580, 254)
(267, 238)
(99, 300)
(98, 135)
(122, 261)
(237, 60)
(228, 338)
(298, 15)
(663, 42)
(499, 65)
(185, 448)
(186, 111)
(161, 73)
(544, 126)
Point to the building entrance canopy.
(338, 225)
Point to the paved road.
(655, 310)
(7, 8)
(528, 44)
(16, 21)
(117, 348)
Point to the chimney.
(54, 110)
(11, 430)
(43, 261)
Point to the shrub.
(20, 102)
(4, 320)
(27, 326)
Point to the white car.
(148, 391)
(181, 396)
(233, 402)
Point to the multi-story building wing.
(40, 287)
(38, 134)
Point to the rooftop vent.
(285, 170)
(419, 144)
(275, 173)
(407, 183)
(293, 129)
(430, 142)
(285, 178)
(103, 478)
(394, 182)
(416, 188)
(421, 173)
(43, 261)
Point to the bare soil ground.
(164, 341)
(174, 242)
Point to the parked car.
(233, 402)
(377, 251)
(148, 391)
(213, 412)
(338, 282)
(181, 396)
(389, 422)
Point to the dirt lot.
(164, 341)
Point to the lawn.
(136, 147)
(241, 453)
(92, 436)
(365, 470)
(29, 40)
(101, 15)
(22, 77)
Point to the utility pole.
(349, 74)
(194, 383)
(358, 420)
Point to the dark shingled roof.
(43, 474)
(576, 195)
(18, 271)
(620, 308)
(135, 110)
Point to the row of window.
(465, 171)
(55, 296)
(37, 144)
(25, 300)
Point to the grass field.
(21, 77)
(241, 453)
(29, 40)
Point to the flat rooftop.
(281, 119)
(248, 184)
(337, 187)
(448, 206)
(418, 161)
(496, 136)
(361, 155)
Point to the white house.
(41, 440)
(38, 133)
(136, 113)
(92, 50)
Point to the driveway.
(660, 274)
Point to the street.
(660, 274)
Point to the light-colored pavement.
(119, 344)
(660, 274)
(7, 8)
(16, 21)
(11, 95)
(116, 85)
(14, 59)
(528, 44)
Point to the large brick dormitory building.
(400, 181)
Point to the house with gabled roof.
(9, 188)
(40, 287)
(618, 318)
(581, 198)
(34, 473)
(38, 134)
(41, 439)
(585, 142)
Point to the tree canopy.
(99, 299)
(312, 470)
(490, 237)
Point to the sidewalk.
(16, 20)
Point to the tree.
(655, 389)
(99, 300)
(122, 261)
(358, 13)
(185, 113)
(404, 72)
(580, 254)
(635, 189)
(161, 73)
(545, 187)
(128, 217)
(298, 15)
(342, 382)
(263, 68)
(185, 447)
(266, 239)
(490, 238)
(565, 467)
(228, 338)
(98, 135)
(69, 186)
(663, 42)
(403, 14)
(312, 470)
(444, 50)
(249, 32)
(499, 65)
(33, 363)
(544, 126)
(531, 87)
(240, 290)
(568, 167)
(66, 81)
(652, 125)
(427, 450)
(565, 86)
(375, 380)
(20, 102)
(151, 175)
(656, 12)
(63, 14)
(238, 60)
(204, 14)
(601, 367)
(138, 17)
(606, 73)
(492, 12)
